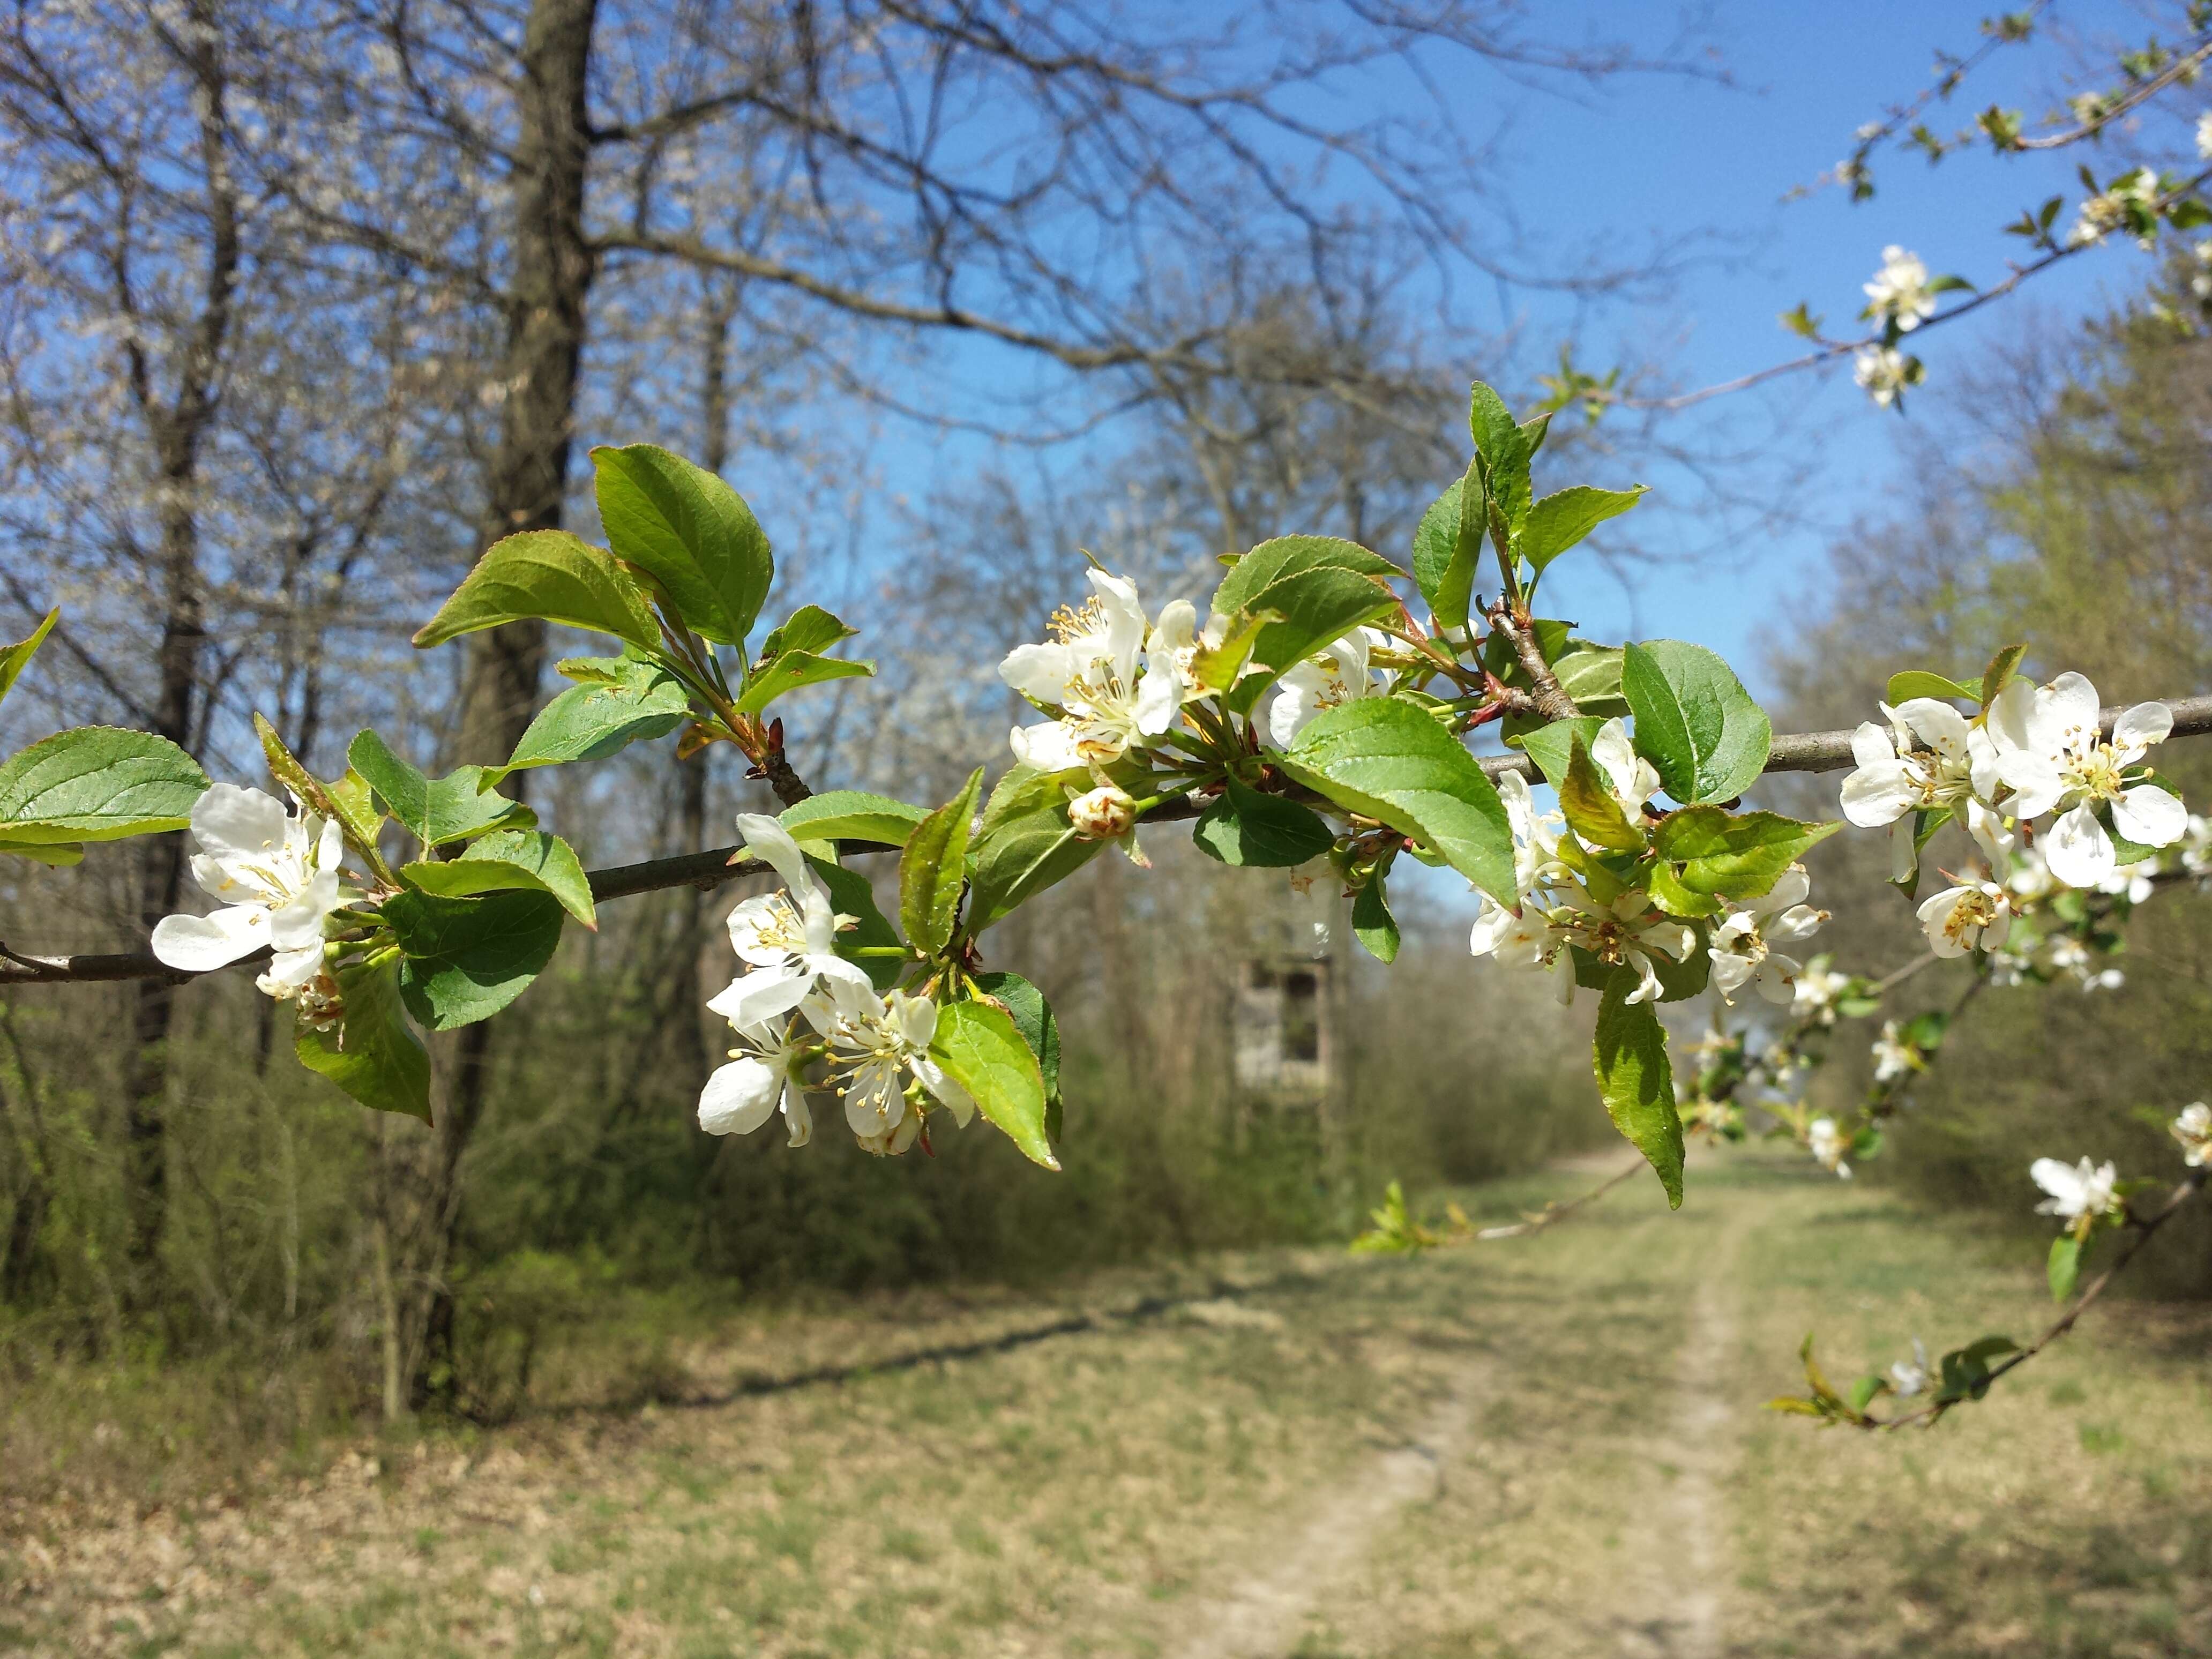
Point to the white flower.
(1972, 916)
(2076, 1190)
(1900, 291)
(788, 947)
(764, 1071)
(1910, 1376)
(1628, 932)
(2031, 881)
(1089, 669)
(1528, 941)
(2204, 136)
(1828, 1145)
(1106, 813)
(1535, 837)
(1632, 780)
(277, 877)
(2049, 752)
(1928, 758)
(2131, 881)
(2196, 846)
(887, 1042)
(1884, 371)
(1743, 941)
(1337, 675)
(2193, 1129)
(1893, 1057)
(2131, 195)
(1818, 990)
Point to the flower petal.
(766, 838)
(2149, 815)
(763, 994)
(2145, 723)
(233, 823)
(198, 944)
(1042, 671)
(740, 1096)
(1878, 793)
(2076, 849)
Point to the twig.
(2139, 1234)
(1552, 1212)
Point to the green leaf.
(1737, 855)
(851, 894)
(2064, 1268)
(435, 811)
(1637, 1082)
(2002, 666)
(1694, 720)
(60, 854)
(691, 533)
(1255, 830)
(96, 783)
(1559, 522)
(809, 628)
(15, 658)
(1215, 667)
(1592, 812)
(1033, 1018)
(981, 1050)
(1025, 844)
(354, 809)
(467, 958)
(1373, 925)
(1506, 448)
(511, 860)
(1286, 556)
(549, 574)
(1390, 760)
(1447, 547)
(1670, 895)
(1919, 683)
(374, 1055)
(793, 670)
(619, 700)
(934, 869)
(1590, 674)
(851, 815)
(1552, 746)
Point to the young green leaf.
(2065, 1268)
(1736, 855)
(1255, 830)
(2002, 666)
(96, 783)
(467, 958)
(1373, 925)
(511, 860)
(1393, 763)
(1506, 448)
(1637, 1082)
(435, 811)
(354, 808)
(979, 1048)
(1590, 674)
(1447, 547)
(809, 628)
(934, 869)
(1919, 683)
(1694, 720)
(1319, 589)
(1592, 812)
(850, 814)
(619, 700)
(1286, 556)
(13, 658)
(1033, 1018)
(374, 1055)
(1025, 844)
(1557, 522)
(691, 533)
(793, 670)
(549, 575)
(1550, 746)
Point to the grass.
(1603, 1481)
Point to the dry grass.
(1121, 1487)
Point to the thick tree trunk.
(550, 281)
(179, 432)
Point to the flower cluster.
(1110, 681)
(1569, 908)
(1900, 296)
(798, 1004)
(2037, 750)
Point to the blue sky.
(1617, 167)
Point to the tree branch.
(1805, 752)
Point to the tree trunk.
(179, 431)
(551, 280)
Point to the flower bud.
(1105, 814)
